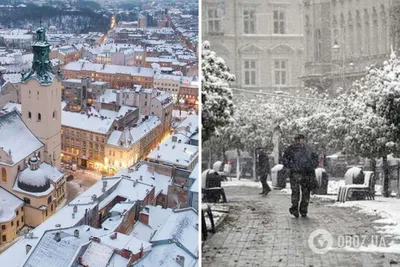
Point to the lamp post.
(336, 49)
(181, 103)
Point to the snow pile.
(244, 182)
(318, 174)
(351, 174)
(386, 208)
(277, 168)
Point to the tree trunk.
(209, 157)
(385, 167)
(224, 159)
(373, 168)
(255, 165)
(238, 164)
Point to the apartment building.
(117, 76)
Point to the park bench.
(366, 189)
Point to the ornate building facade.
(343, 37)
(261, 41)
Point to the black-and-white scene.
(300, 133)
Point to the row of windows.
(166, 84)
(280, 72)
(39, 116)
(249, 21)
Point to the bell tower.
(41, 100)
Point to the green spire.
(41, 66)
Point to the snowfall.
(387, 209)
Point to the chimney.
(76, 233)
(75, 209)
(104, 184)
(125, 253)
(57, 237)
(141, 178)
(180, 260)
(28, 248)
(113, 236)
(73, 215)
(144, 218)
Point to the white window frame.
(280, 70)
(249, 19)
(252, 70)
(279, 21)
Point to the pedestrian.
(264, 171)
(301, 161)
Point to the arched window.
(54, 114)
(3, 175)
(29, 93)
(49, 200)
(19, 168)
(54, 155)
(39, 117)
(38, 154)
(29, 115)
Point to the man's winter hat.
(299, 137)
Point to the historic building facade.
(30, 148)
(344, 37)
(261, 41)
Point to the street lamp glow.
(336, 47)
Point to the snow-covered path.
(259, 231)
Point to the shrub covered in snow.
(217, 104)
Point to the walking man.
(264, 171)
(301, 161)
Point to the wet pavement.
(259, 231)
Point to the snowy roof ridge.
(11, 117)
(12, 202)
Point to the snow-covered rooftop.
(9, 203)
(97, 255)
(50, 253)
(85, 122)
(160, 181)
(129, 137)
(109, 96)
(15, 137)
(165, 256)
(10, 107)
(110, 69)
(172, 153)
(182, 226)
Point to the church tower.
(41, 100)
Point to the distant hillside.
(70, 20)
